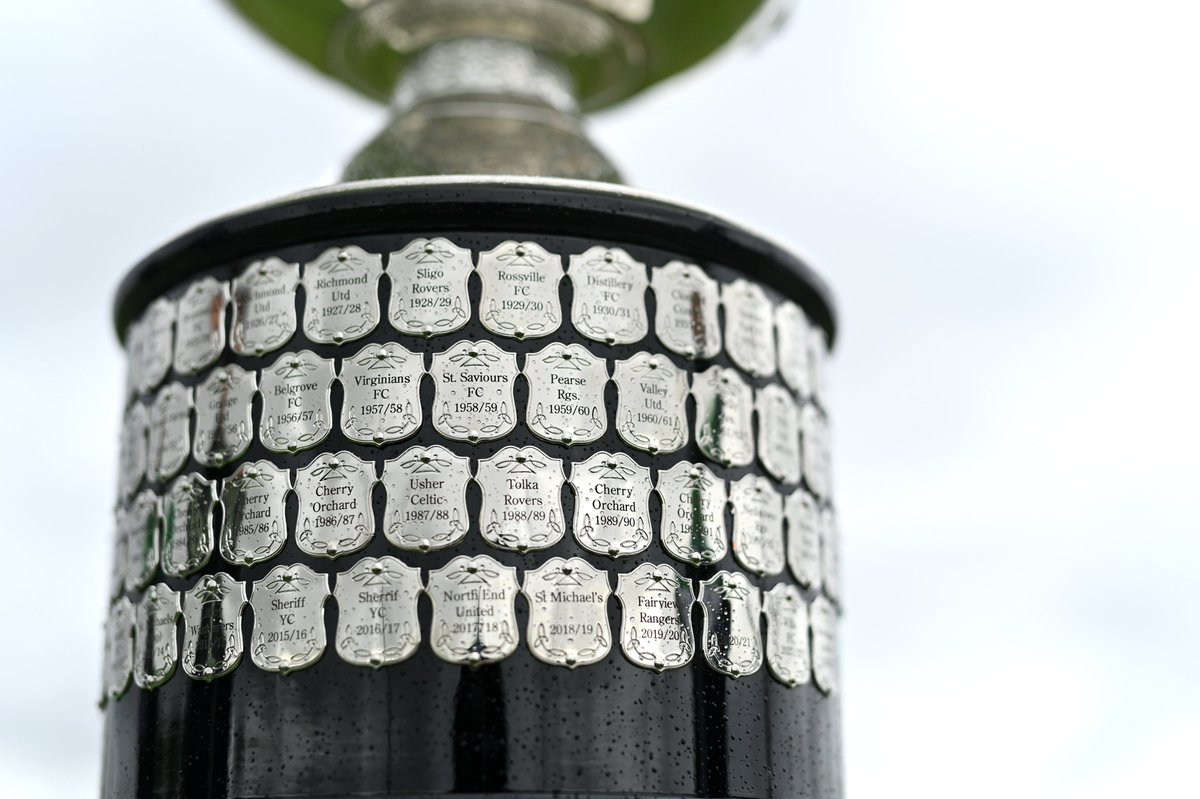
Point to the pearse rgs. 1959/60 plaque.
(566, 394)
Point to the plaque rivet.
(425, 459)
(608, 258)
(520, 252)
(377, 438)
(472, 569)
(374, 661)
(343, 256)
(425, 545)
(339, 337)
(429, 249)
(377, 569)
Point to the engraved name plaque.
(139, 523)
(187, 525)
(612, 504)
(151, 344)
(131, 464)
(426, 498)
(118, 649)
(818, 354)
(289, 618)
(757, 525)
(686, 316)
(520, 290)
(341, 290)
(295, 393)
(609, 302)
(264, 307)
(823, 617)
(693, 513)
(117, 578)
(334, 496)
(429, 287)
(377, 612)
(651, 403)
(732, 641)
(223, 424)
(724, 405)
(200, 325)
(474, 391)
(778, 433)
(170, 432)
(787, 634)
(791, 327)
(831, 554)
(749, 328)
(566, 394)
(522, 499)
(568, 612)
(803, 539)
(212, 626)
(815, 434)
(382, 403)
(474, 614)
(253, 502)
(155, 650)
(656, 612)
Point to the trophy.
(478, 472)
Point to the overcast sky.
(1004, 196)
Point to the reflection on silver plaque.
(803, 539)
(140, 525)
(264, 306)
(118, 649)
(724, 404)
(686, 316)
(818, 354)
(152, 347)
(520, 290)
(474, 618)
(732, 640)
(132, 453)
(791, 327)
(831, 554)
(566, 394)
(289, 618)
(212, 626)
(223, 424)
(522, 499)
(612, 504)
(757, 525)
(341, 290)
(823, 618)
(656, 612)
(120, 557)
(156, 650)
(429, 287)
(187, 525)
(778, 433)
(170, 432)
(426, 498)
(335, 516)
(200, 325)
(693, 513)
(377, 612)
(381, 384)
(815, 434)
(568, 612)
(609, 296)
(474, 397)
(787, 634)
(253, 502)
(295, 393)
(749, 328)
(651, 403)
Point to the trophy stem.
(483, 106)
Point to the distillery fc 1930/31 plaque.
(513, 484)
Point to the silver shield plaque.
(522, 499)
(253, 500)
(823, 617)
(609, 302)
(831, 554)
(787, 634)
(791, 329)
(566, 394)
(757, 525)
(686, 315)
(568, 612)
(377, 612)
(612, 504)
(693, 513)
(140, 525)
(264, 307)
(382, 390)
(778, 433)
(474, 391)
(295, 393)
(724, 405)
(212, 626)
(520, 290)
(289, 618)
(170, 432)
(223, 424)
(132, 453)
(749, 327)
(474, 614)
(732, 640)
(429, 287)
(803, 538)
(151, 354)
(341, 289)
(815, 446)
(426, 498)
(818, 355)
(120, 558)
(200, 325)
(118, 649)
(156, 650)
(187, 510)
(656, 613)
(651, 403)
(335, 516)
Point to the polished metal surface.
(296, 413)
(803, 538)
(831, 554)
(429, 287)
(156, 649)
(289, 618)
(474, 391)
(651, 403)
(519, 298)
(187, 511)
(656, 613)
(264, 306)
(151, 345)
(724, 407)
(612, 504)
(474, 614)
(791, 328)
(200, 325)
(749, 329)
(568, 612)
(224, 427)
(693, 513)
(381, 388)
(118, 649)
(140, 524)
(254, 521)
(522, 499)
(778, 433)
(816, 447)
(131, 457)
(787, 635)
(377, 612)
(609, 296)
(170, 439)
(686, 315)
(818, 354)
(426, 498)
(732, 639)
(212, 626)
(335, 516)
(757, 525)
(823, 617)
(566, 394)
(341, 295)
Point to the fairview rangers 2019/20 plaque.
(474, 485)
